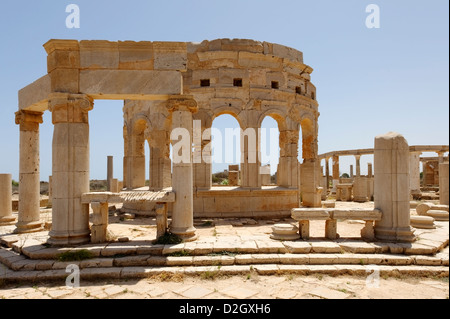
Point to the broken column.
(358, 165)
(443, 184)
(6, 217)
(29, 183)
(414, 174)
(391, 156)
(182, 107)
(70, 218)
(110, 174)
(335, 172)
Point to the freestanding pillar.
(335, 172)
(6, 217)
(110, 172)
(358, 165)
(182, 107)
(414, 173)
(443, 184)
(29, 183)
(70, 224)
(327, 173)
(391, 156)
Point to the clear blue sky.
(369, 81)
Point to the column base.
(405, 234)
(66, 239)
(7, 221)
(29, 227)
(186, 234)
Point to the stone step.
(19, 262)
(213, 271)
(426, 246)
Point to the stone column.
(50, 192)
(369, 170)
(70, 224)
(351, 171)
(327, 172)
(443, 184)
(251, 165)
(29, 183)
(6, 217)
(358, 165)
(391, 156)
(414, 173)
(110, 172)
(335, 172)
(287, 174)
(160, 164)
(182, 107)
(441, 156)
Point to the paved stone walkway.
(250, 286)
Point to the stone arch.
(233, 111)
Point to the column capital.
(70, 108)
(29, 120)
(182, 103)
(357, 157)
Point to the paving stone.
(266, 269)
(358, 247)
(157, 261)
(327, 293)
(221, 246)
(44, 264)
(156, 292)
(203, 249)
(427, 261)
(248, 247)
(294, 259)
(267, 247)
(195, 292)
(298, 247)
(325, 247)
(179, 261)
(97, 263)
(100, 273)
(131, 261)
(239, 292)
(59, 292)
(170, 249)
(24, 264)
(323, 259)
(155, 250)
(52, 275)
(9, 240)
(115, 290)
(265, 258)
(286, 294)
(118, 249)
(419, 249)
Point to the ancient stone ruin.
(172, 88)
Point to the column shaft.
(29, 183)
(182, 224)
(70, 224)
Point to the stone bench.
(331, 216)
(100, 201)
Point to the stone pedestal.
(70, 168)
(344, 192)
(182, 224)
(233, 175)
(392, 160)
(310, 185)
(443, 184)
(360, 189)
(99, 222)
(6, 217)
(161, 219)
(284, 232)
(29, 181)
